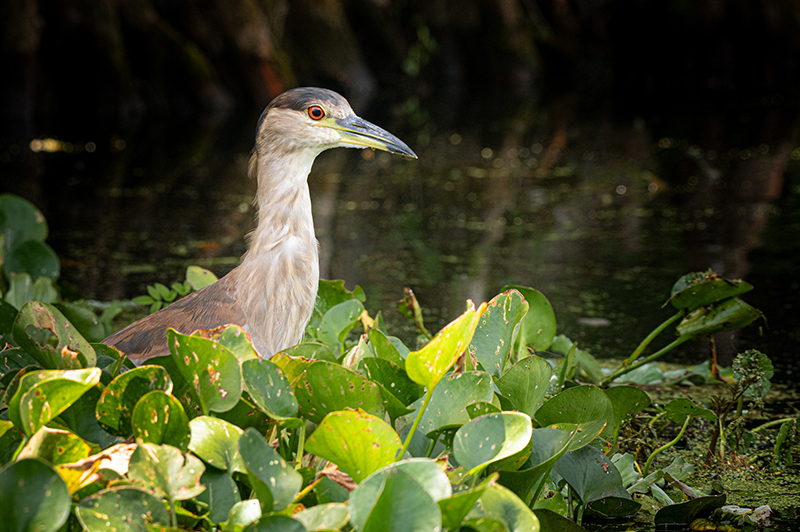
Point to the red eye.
(316, 112)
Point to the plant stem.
(665, 447)
(411, 432)
(430, 448)
(622, 370)
(300, 444)
(650, 337)
(772, 423)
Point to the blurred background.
(596, 150)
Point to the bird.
(271, 293)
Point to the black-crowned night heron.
(271, 293)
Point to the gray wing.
(207, 308)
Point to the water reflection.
(601, 210)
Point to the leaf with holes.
(269, 388)
(234, 338)
(166, 470)
(42, 331)
(125, 509)
(326, 387)
(210, 367)
(274, 481)
(43, 395)
(33, 497)
(428, 365)
(115, 407)
(497, 329)
(159, 418)
(357, 442)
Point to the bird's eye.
(316, 112)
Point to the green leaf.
(502, 505)
(384, 349)
(123, 509)
(552, 522)
(449, 402)
(211, 368)
(57, 447)
(234, 337)
(525, 384)
(23, 290)
(33, 497)
(80, 418)
(490, 438)
(42, 395)
(538, 327)
(576, 405)
(338, 322)
(456, 507)
(425, 471)
(115, 407)
(626, 401)
(679, 409)
(324, 516)
(269, 388)
(159, 418)
(8, 313)
(44, 332)
(307, 350)
(410, 308)
(393, 378)
(166, 470)
(591, 474)
(325, 387)
(33, 257)
(243, 514)
(84, 320)
(497, 329)
(216, 441)
(221, 495)
(275, 482)
(21, 221)
(612, 507)
(357, 442)
(727, 315)
(199, 277)
(276, 523)
(685, 513)
(403, 505)
(428, 365)
(701, 289)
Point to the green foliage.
(219, 435)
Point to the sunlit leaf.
(326, 387)
(497, 329)
(166, 470)
(115, 407)
(502, 505)
(216, 441)
(525, 384)
(274, 481)
(159, 418)
(324, 517)
(269, 388)
(57, 447)
(576, 405)
(123, 509)
(46, 335)
(450, 399)
(538, 327)
(402, 506)
(490, 438)
(199, 277)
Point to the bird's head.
(316, 119)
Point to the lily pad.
(384, 349)
(357, 442)
(275, 483)
(591, 474)
(683, 514)
(221, 495)
(402, 506)
(576, 405)
(338, 322)
(331, 516)
(701, 289)
(449, 402)
(500, 504)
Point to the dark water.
(598, 206)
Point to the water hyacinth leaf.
(220, 496)
(684, 513)
(276, 523)
(80, 418)
(403, 506)
(42, 395)
(8, 313)
(591, 474)
(500, 504)
(199, 277)
(115, 407)
(33, 497)
(497, 329)
(525, 384)
(159, 418)
(538, 327)
(701, 289)
(33, 257)
(210, 367)
(331, 516)
(552, 522)
(424, 470)
(384, 349)
(269, 388)
(428, 365)
(83, 319)
(23, 290)
(448, 405)
(337, 322)
(326, 387)
(393, 378)
(612, 508)
(233, 337)
(456, 507)
(357, 442)
(678, 410)
(307, 350)
(726, 315)
(274, 481)
(243, 514)
(480, 408)
(166, 470)
(14, 359)
(20, 221)
(579, 404)
(9, 442)
(291, 366)
(124, 509)
(57, 447)
(627, 401)
(42, 331)
(332, 293)
(216, 441)
(491, 438)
